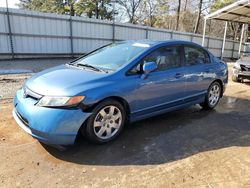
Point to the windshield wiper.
(88, 66)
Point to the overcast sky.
(12, 3)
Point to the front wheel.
(213, 96)
(106, 122)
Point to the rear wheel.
(106, 122)
(213, 96)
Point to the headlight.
(47, 101)
(237, 66)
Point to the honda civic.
(102, 91)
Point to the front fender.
(95, 97)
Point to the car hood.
(63, 80)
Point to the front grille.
(23, 119)
(28, 93)
(245, 68)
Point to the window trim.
(178, 46)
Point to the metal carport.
(236, 12)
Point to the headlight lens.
(48, 101)
(237, 66)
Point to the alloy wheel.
(214, 95)
(107, 122)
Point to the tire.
(106, 122)
(213, 96)
(236, 79)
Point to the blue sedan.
(99, 93)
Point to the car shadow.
(169, 137)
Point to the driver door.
(162, 88)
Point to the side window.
(165, 57)
(195, 56)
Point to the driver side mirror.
(147, 68)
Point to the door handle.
(178, 75)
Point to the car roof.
(152, 43)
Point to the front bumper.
(241, 74)
(49, 125)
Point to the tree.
(178, 15)
(162, 14)
(218, 4)
(130, 7)
(188, 21)
(198, 17)
(185, 5)
(181, 15)
(148, 12)
(234, 28)
(52, 6)
(100, 9)
(167, 13)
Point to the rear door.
(199, 71)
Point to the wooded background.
(179, 15)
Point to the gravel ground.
(11, 82)
(30, 65)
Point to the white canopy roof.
(235, 12)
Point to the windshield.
(113, 56)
